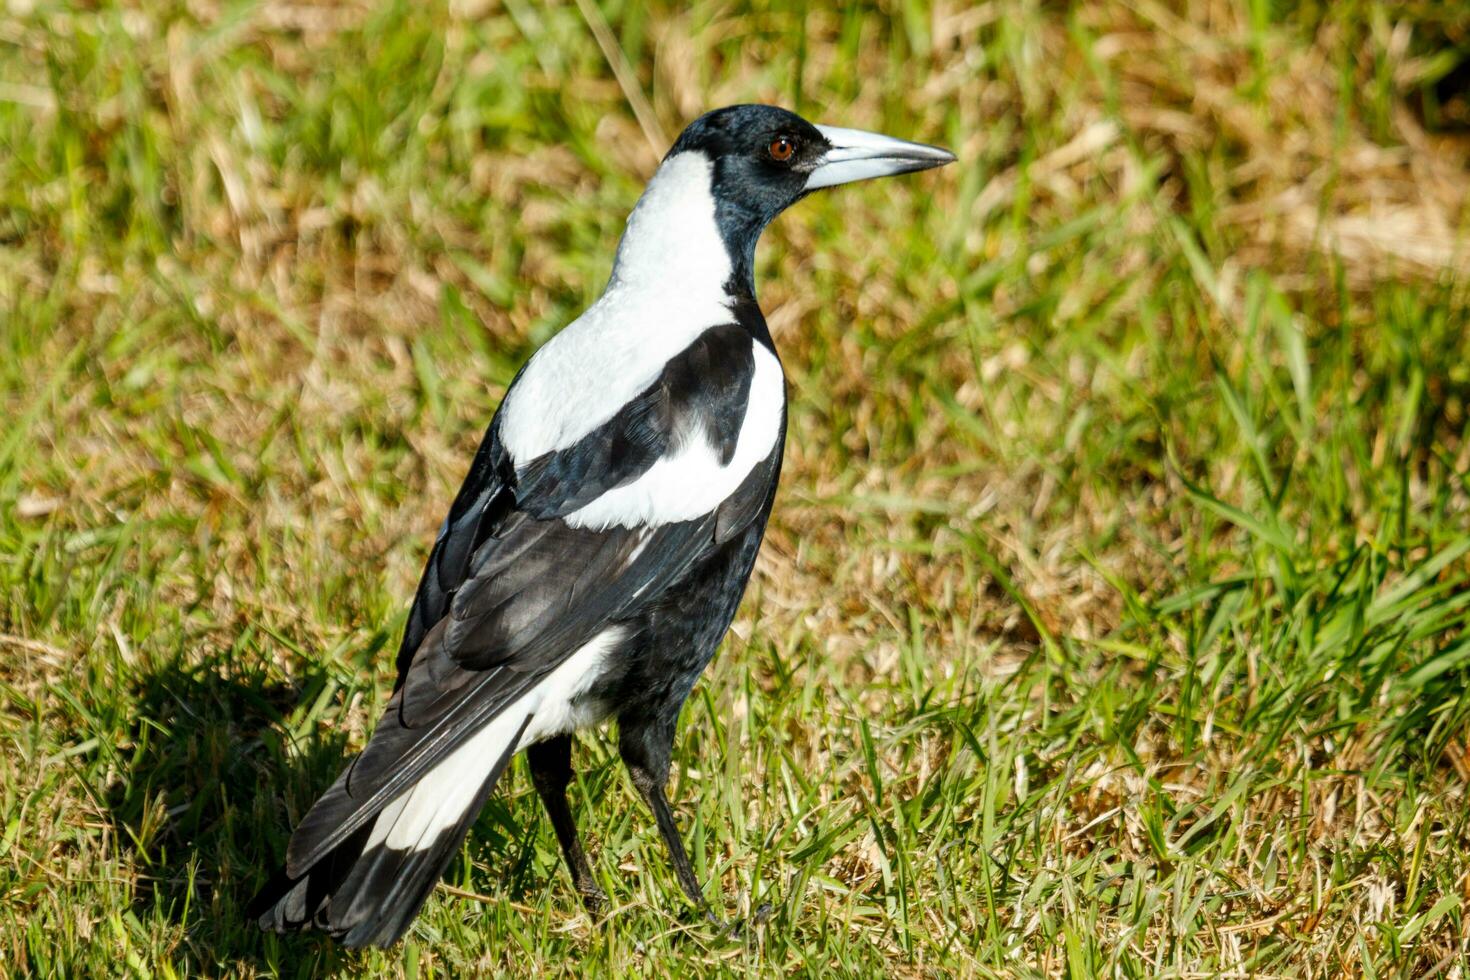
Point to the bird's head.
(765, 158)
(751, 162)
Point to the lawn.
(1113, 616)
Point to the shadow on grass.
(198, 802)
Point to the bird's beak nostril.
(857, 155)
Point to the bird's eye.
(781, 148)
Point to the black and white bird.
(599, 547)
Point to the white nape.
(672, 238)
(691, 481)
(667, 288)
(557, 706)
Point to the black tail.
(363, 892)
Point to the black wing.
(511, 589)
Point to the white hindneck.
(667, 287)
(672, 241)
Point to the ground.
(1113, 614)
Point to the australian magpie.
(599, 547)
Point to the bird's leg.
(645, 751)
(551, 771)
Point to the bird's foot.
(735, 928)
(594, 899)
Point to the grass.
(1113, 616)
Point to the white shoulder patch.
(692, 482)
(667, 288)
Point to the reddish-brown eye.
(782, 148)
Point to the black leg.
(645, 751)
(551, 771)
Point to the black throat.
(740, 228)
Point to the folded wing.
(538, 557)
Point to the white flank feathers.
(439, 800)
